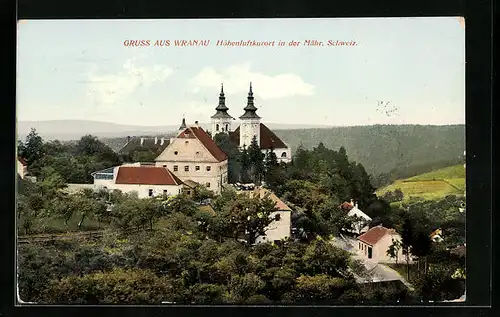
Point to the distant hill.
(399, 151)
(385, 148)
(65, 130)
(432, 185)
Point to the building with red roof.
(193, 155)
(374, 244)
(146, 180)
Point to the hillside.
(384, 148)
(432, 185)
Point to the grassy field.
(432, 185)
(55, 225)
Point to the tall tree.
(407, 242)
(256, 158)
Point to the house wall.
(143, 190)
(278, 230)
(21, 169)
(379, 250)
(193, 154)
(279, 154)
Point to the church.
(250, 126)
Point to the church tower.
(221, 120)
(250, 122)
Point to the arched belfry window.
(283, 154)
(227, 127)
(217, 127)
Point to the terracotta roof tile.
(346, 206)
(146, 175)
(268, 140)
(374, 235)
(207, 142)
(22, 161)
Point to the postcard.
(241, 161)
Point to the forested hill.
(384, 148)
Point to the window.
(208, 168)
(369, 252)
(359, 245)
(227, 127)
(197, 167)
(207, 184)
(150, 192)
(186, 168)
(216, 127)
(277, 217)
(197, 153)
(187, 142)
(165, 192)
(188, 192)
(176, 168)
(283, 154)
(165, 166)
(176, 152)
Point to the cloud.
(114, 88)
(236, 79)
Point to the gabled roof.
(346, 206)
(206, 140)
(268, 140)
(263, 193)
(146, 175)
(374, 235)
(355, 211)
(22, 161)
(152, 144)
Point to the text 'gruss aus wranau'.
(238, 43)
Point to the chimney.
(352, 202)
(356, 205)
(142, 141)
(162, 141)
(156, 140)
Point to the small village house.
(145, 180)
(22, 167)
(280, 227)
(361, 225)
(374, 243)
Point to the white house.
(145, 180)
(193, 155)
(280, 227)
(374, 244)
(22, 167)
(360, 226)
(250, 126)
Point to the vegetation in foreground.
(187, 255)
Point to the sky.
(401, 71)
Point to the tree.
(201, 193)
(33, 151)
(394, 248)
(234, 165)
(407, 242)
(256, 158)
(421, 247)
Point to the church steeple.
(250, 109)
(221, 108)
(183, 124)
(221, 120)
